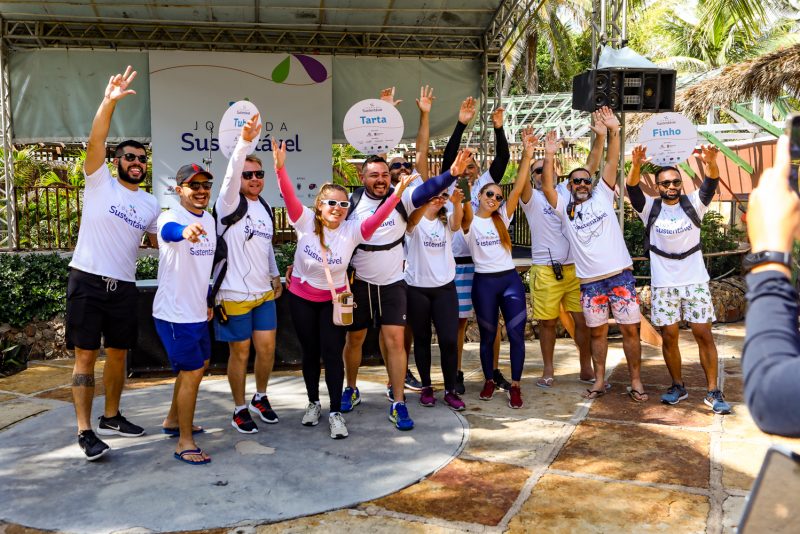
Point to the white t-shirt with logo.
(548, 239)
(430, 254)
(486, 249)
(674, 232)
(113, 221)
(460, 247)
(184, 270)
(381, 267)
(598, 246)
(340, 243)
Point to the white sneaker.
(311, 417)
(338, 430)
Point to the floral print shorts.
(691, 303)
(616, 293)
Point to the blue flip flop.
(180, 456)
(175, 431)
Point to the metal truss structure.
(8, 238)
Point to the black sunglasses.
(196, 186)
(538, 170)
(130, 156)
(396, 165)
(674, 183)
(579, 181)
(497, 196)
(247, 175)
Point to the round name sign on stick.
(373, 126)
(230, 127)
(670, 138)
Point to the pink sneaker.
(488, 390)
(515, 397)
(453, 401)
(426, 398)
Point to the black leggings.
(439, 304)
(320, 339)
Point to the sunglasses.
(396, 165)
(443, 196)
(344, 204)
(579, 181)
(497, 196)
(130, 156)
(248, 175)
(674, 183)
(196, 186)
(538, 170)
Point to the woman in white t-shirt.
(497, 286)
(323, 229)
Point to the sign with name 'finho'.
(373, 126)
(670, 138)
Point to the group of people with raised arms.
(406, 253)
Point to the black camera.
(558, 270)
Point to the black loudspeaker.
(624, 90)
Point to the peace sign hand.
(278, 153)
(117, 87)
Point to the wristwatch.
(755, 259)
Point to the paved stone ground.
(560, 464)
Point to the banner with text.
(190, 92)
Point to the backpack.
(220, 267)
(355, 198)
(687, 207)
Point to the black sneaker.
(91, 445)
(243, 422)
(460, 388)
(411, 381)
(118, 426)
(263, 409)
(501, 381)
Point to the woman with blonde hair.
(325, 242)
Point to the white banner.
(190, 92)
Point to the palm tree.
(344, 172)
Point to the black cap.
(187, 172)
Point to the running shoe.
(460, 388)
(390, 393)
(488, 390)
(350, 399)
(426, 398)
(262, 408)
(338, 428)
(92, 446)
(243, 423)
(716, 400)
(675, 394)
(515, 398)
(398, 414)
(311, 417)
(411, 381)
(118, 426)
(453, 401)
(501, 381)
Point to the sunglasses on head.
(497, 196)
(130, 156)
(538, 170)
(247, 175)
(674, 183)
(579, 181)
(344, 204)
(196, 186)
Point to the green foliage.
(32, 286)
(11, 357)
(284, 256)
(345, 172)
(147, 268)
(511, 173)
(48, 217)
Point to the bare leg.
(462, 330)
(583, 341)
(171, 421)
(264, 341)
(395, 358)
(709, 358)
(189, 382)
(114, 379)
(547, 343)
(599, 342)
(237, 369)
(632, 346)
(83, 386)
(352, 355)
(672, 353)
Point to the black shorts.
(100, 308)
(378, 305)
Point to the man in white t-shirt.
(678, 274)
(602, 261)
(251, 283)
(101, 289)
(180, 309)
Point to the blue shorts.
(241, 327)
(188, 345)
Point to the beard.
(123, 175)
(669, 195)
(582, 195)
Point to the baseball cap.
(187, 172)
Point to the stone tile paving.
(560, 464)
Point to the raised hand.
(457, 197)
(117, 87)
(426, 98)
(460, 164)
(405, 179)
(529, 141)
(497, 117)
(467, 111)
(639, 155)
(597, 125)
(608, 118)
(551, 142)
(193, 231)
(708, 155)
(278, 153)
(251, 128)
(387, 95)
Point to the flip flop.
(636, 395)
(175, 432)
(592, 381)
(592, 394)
(545, 383)
(180, 456)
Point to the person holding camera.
(771, 356)
(679, 278)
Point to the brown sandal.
(592, 394)
(637, 396)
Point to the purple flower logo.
(315, 70)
